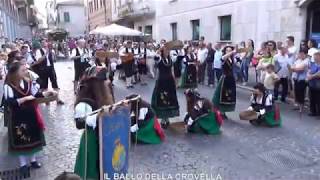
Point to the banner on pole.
(114, 143)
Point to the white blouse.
(81, 110)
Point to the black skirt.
(300, 91)
(128, 69)
(177, 67)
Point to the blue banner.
(114, 143)
(316, 37)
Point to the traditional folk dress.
(80, 64)
(142, 61)
(25, 125)
(177, 57)
(129, 65)
(189, 76)
(90, 135)
(268, 112)
(164, 97)
(224, 97)
(145, 127)
(201, 117)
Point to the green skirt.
(217, 97)
(206, 124)
(147, 134)
(271, 120)
(184, 81)
(92, 156)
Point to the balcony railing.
(136, 9)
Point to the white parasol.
(116, 30)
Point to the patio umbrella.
(116, 30)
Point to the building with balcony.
(98, 13)
(71, 17)
(137, 14)
(237, 20)
(51, 14)
(17, 19)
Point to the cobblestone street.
(241, 152)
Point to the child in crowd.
(270, 78)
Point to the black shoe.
(165, 124)
(312, 114)
(24, 171)
(35, 165)
(60, 102)
(254, 122)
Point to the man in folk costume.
(164, 97)
(46, 70)
(262, 110)
(201, 117)
(80, 56)
(126, 54)
(177, 56)
(93, 93)
(142, 64)
(145, 127)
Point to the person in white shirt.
(312, 49)
(292, 54)
(127, 63)
(151, 53)
(282, 62)
(202, 56)
(27, 55)
(217, 63)
(300, 70)
(270, 78)
(80, 56)
(46, 70)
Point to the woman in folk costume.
(189, 76)
(201, 117)
(25, 125)
(145, 127)
(93, 93)
(164, 97)
(224, 97)
(262, 110)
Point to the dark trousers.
(201, 72)
(300, 91)
(314, 101)
(210, 73)
(284, 83)
(48, 73)
(217, 73)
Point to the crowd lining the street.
(27, 67)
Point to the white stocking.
(23, 160)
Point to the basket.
(101, 54)
(174, 45)
(111, 54)
(46, 99)
(127, 58)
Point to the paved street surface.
(241, 152)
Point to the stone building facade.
(71, 17)
(237, 20)
(98, 13)
(17, 19)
